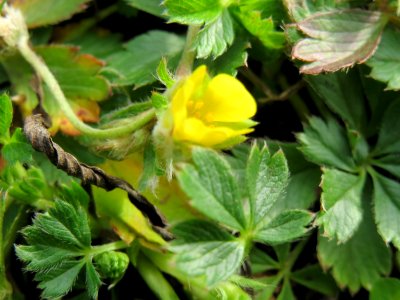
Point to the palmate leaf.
(47, 12)
(361, 260)
(338, 39)
(58, 243)
(213, 189)
(206, 250)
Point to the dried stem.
(37, 134)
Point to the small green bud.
(112, 264)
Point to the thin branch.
(36, 132)
(286, 94)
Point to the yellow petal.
(227, 100)
(185, 92)
(197, 132)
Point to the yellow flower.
(212, 112)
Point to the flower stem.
(41, 68)
(185, 64)
(108, 247)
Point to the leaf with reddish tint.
(46, 12)
(78, 76)
(338, 39)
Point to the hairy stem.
(185, 64)
(118, 245)
(41, 68)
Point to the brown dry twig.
(35, 130)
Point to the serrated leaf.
(266, 178)
(195, 12)
(326, 143)
(286, 227)
(387, 208)
(263, 29)
(385, 289)
(48, 12)
(138, 63)
(17, 149)
(6, 114)
(342, 202)
(343, 93)
(153, 7)
(338, 39)
(93, 281)
(385, 62)
(60, 280)
(389, 134)
(314, 278)
(268, 8)
(356, 263)
(212, 188)
(205, 249)
(214, 38)
(231, 60)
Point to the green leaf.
(385, 62)
(343, 93)
(48, 12)
(326, 143)
(387, 208)
(315, 279)
(286, 227)
(231, 60)
(338, 39)
(389, 134)
(358, 262)
(77, 74)
(17, 149)
(93, 281)
(212, 188)
(59, 281)
(261, 261)
(214, 38)
(195, 12)
(138, 63)
(385, 289)
(153, 7)
(342, 202)
(268, 8)
(205, 249)
(6, 114)
(263, 29)
(58, 242)
(267, 177)
(390, 162)
(286, 292)
(97, 43)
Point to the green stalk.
(41, 68)
(95, 250)
(189, 54)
